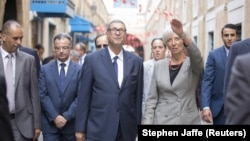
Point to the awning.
(53, 8)
(79, 24)
(84, 39)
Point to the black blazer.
(33, 53)
(5, 127)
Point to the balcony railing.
(53, 8)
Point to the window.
(211, 40)
(239, 26)
(195, 40)
(195, 8)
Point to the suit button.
(178, 99)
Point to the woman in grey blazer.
(172, 98)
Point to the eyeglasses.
(61, 48)
(102, 46)
(115, 30)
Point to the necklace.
(175, 67)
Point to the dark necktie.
(115, 66)
(10, 83)
(62, 75)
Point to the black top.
(173, 71)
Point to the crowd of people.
(104, 95)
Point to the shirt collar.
(5, 53)
(66, 62)
(227, 50)
(112, 55)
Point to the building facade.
(203, 20)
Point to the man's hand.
(60, 121)
(80, 136)
(207, 115)
(36, 134)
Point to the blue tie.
(62, 75)
(115, 66)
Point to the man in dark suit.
(5, 127)
(34, 54)
(213, 79)
(22, 90)
(58, 101)
(238, 48)
(237, 100)
(110, 95)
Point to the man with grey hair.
(75, 56)
(82, 49)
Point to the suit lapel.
(69, 75)
(127, 67)
(19, 65)
(55, 73)
(105, 57)
(223, 55)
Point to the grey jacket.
(176, 103)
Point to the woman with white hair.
(172, 95)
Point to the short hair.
(8, 24)
(231, 26)
(82, 46)
(99, 35)
(62, 36)
(166, 33)
(154, 39)
(115, 21)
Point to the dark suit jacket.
(33, 53)
(102, 105)
(55, 102)
(238, 48)
(213, 81)
(48, 59)
(28, 110)
(5, 127)
(237, 100)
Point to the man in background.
(213, 78)
(101, 41)
(75, 56)
(81, 48)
